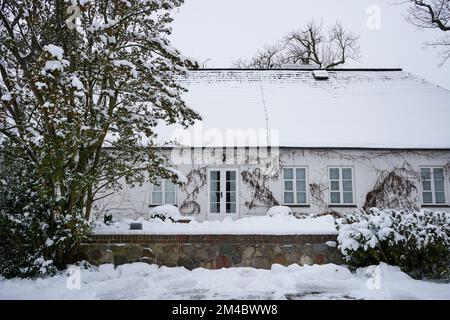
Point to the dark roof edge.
(307, 148)
(297, 69)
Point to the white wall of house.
(366, 166)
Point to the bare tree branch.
(310, 45)
(432, 14)
(271, 56)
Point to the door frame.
(221, 215)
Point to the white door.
(223, 193)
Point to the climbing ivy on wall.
(394, 190)
(260, 191)
(196, 180)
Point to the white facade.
(364, 165)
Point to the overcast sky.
(223, 30)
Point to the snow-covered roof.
(354, 108)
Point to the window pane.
(438, 174)
(301, 197)
(288, 197)
(214, 207)
(169, 186)
(300, 173)
(427, 197)
(214, 197)
(440, 197)
(348, 197)
(335, 197)
(438, 185)
(170, 197)
(334, 173)
(426, 185)
(334, 185)
(231, 175)
(288, 173)
(301, 185)
(288, 185)
(156, 197)
(231, 207)
(215, 186)
(231, 197)
(347, 173)
(425, 173)
(214, 175)
(231, 186)
(347, 185)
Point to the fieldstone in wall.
(147, 260)
(279, 258)
(247, 253)
(189, 249)
(319, 248)
(223, 261)
(262, 262)
(148, 253)
(306, 260)
(188, 262)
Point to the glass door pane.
(230, 192)
(214, 191)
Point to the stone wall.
(211, 251)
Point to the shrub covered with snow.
(166, 212)
(279, 211)
(418, 242)
(35, 240)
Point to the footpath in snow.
(143, 281)
(251, 225)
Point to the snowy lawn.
(279, 224)
(143, 281)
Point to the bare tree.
(271, 56)
(303, 45)
(432, 14)
(310, 45)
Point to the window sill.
(444, 205)
(296, 205)
(343, 205)
(161, 204)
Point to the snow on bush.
(55, 51)
(180, 176)
(279, 211)
(418, 242)
(166, 212)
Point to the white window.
(294, 186)
(163, 192)
(341, 185)
(433, 185)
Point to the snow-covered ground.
(279, 224)
(143, 281)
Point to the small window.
(433, 185)
(341, 185)
(294, 186)
(163, 192)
